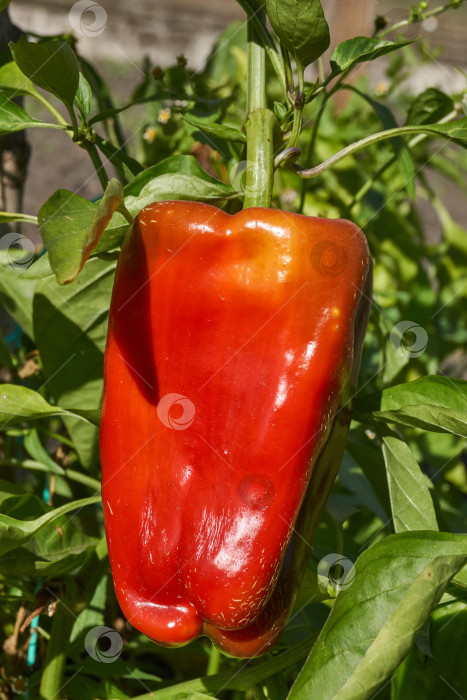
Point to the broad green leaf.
(70, 558)
(301, 26)
(83, 96)
(221, 131)
(14, 118)
(444, 673)
(374, 620)
(178, 177)
(16, 297)
(51, 65)
(72, 227)
(435, 390)
(13, 82)
(56, 549)
(429, 107)
(360, 49)
(363, 446)
(18, 403)
(93, 614)
(460, 579)
(426, 417)
(9, 489)
(39, 269)
(70, 327)
(183, 165)
(4, 3)
(174, 187)
(16, 533)
(456, 131)
(352, 477)
(411, 503)
(106, 208)
(34, 447)
(243, 678)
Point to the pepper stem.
(259, 126)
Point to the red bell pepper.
(233, 351)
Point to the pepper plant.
(244, 154)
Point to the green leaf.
(58, 548)
(444, 673)
(14, 118)
(13, 82)
(301, 26)
(426, 417)
(16, 297)
(360, 49)
(374, 621)
(51, 65)
(353, 478)
(34, 447)
(456, 131)
(4, 3)
(363, 446)
(244, 677)
(177, 177)
(16, 533)
(71, 228)
(73, 553)
(18, 403)
(429, 107)
(175, 187)
(281, 111)
(70, 327)
(92, 615)
(434, 403)
(433, 390)
(83, 96)
(221, 131)
(118, 156)
(411, 503)
(39, 269)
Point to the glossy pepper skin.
(233, 350)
